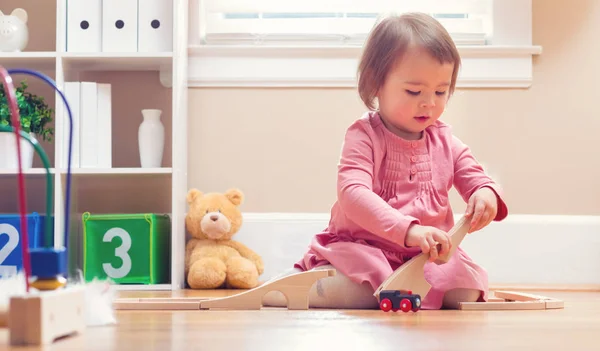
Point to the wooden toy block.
(126, 248)
(411, 277)
(41, 318)
(513, 300)
(295, 287)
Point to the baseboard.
(524, 250)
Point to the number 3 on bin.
(121, 252)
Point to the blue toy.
(45, 265)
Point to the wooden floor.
(576, 327)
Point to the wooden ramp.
(410, 276)
(295, 287)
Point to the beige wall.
(264, 141)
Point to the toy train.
(395, 300)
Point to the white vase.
(8, 156)
(151, 139)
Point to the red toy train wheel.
(405, 305)
(385, 305)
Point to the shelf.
(120, 171)
(122, 193)
(26, 171)
(138, 81)
(97, 171)
(38, 60)
(141, 287)
(100, 61)
(107, 61)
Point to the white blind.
(331, 21)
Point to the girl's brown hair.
(389, 40)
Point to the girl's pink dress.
(385, 183)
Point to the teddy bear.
(212, 259)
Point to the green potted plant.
(35, 116)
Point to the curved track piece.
(410, 276)
(295, 287)
(457, 234)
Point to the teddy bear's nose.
(214, 218)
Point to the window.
(331, 22)
(318, 42)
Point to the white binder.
(84, 25)
(104, 125)
(119, 25)
(89, 125)
(72, 92)
(155, 27)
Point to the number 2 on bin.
(121, 252)
(11, 245)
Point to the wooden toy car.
(399, 300)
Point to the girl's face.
(414, 94)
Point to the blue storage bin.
(11, 256)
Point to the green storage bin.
(127, 248)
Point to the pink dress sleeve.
(469, 176)
(355, 190)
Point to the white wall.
(264, 141)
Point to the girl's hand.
(428, 238)
(482, 206)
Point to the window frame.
(505, 62)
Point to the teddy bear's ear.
(192, 195)
(235, 196)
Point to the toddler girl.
(397, 166)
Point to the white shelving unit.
(139, 81)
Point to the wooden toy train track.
(411, 277)
(295, 287)
(408, 282)
(402, 290)
(513, 300)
